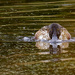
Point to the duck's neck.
(54, 36)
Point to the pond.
(22, 18)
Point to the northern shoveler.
(53, 31)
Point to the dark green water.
(23, 18)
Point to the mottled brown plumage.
(47, 32)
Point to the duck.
(53, 31)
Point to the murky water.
(20, 19)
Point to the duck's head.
(54, 31)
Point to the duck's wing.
(43, 33)
(65, 35)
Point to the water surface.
(20, 19)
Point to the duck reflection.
(55, 48)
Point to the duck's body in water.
(54, 32)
